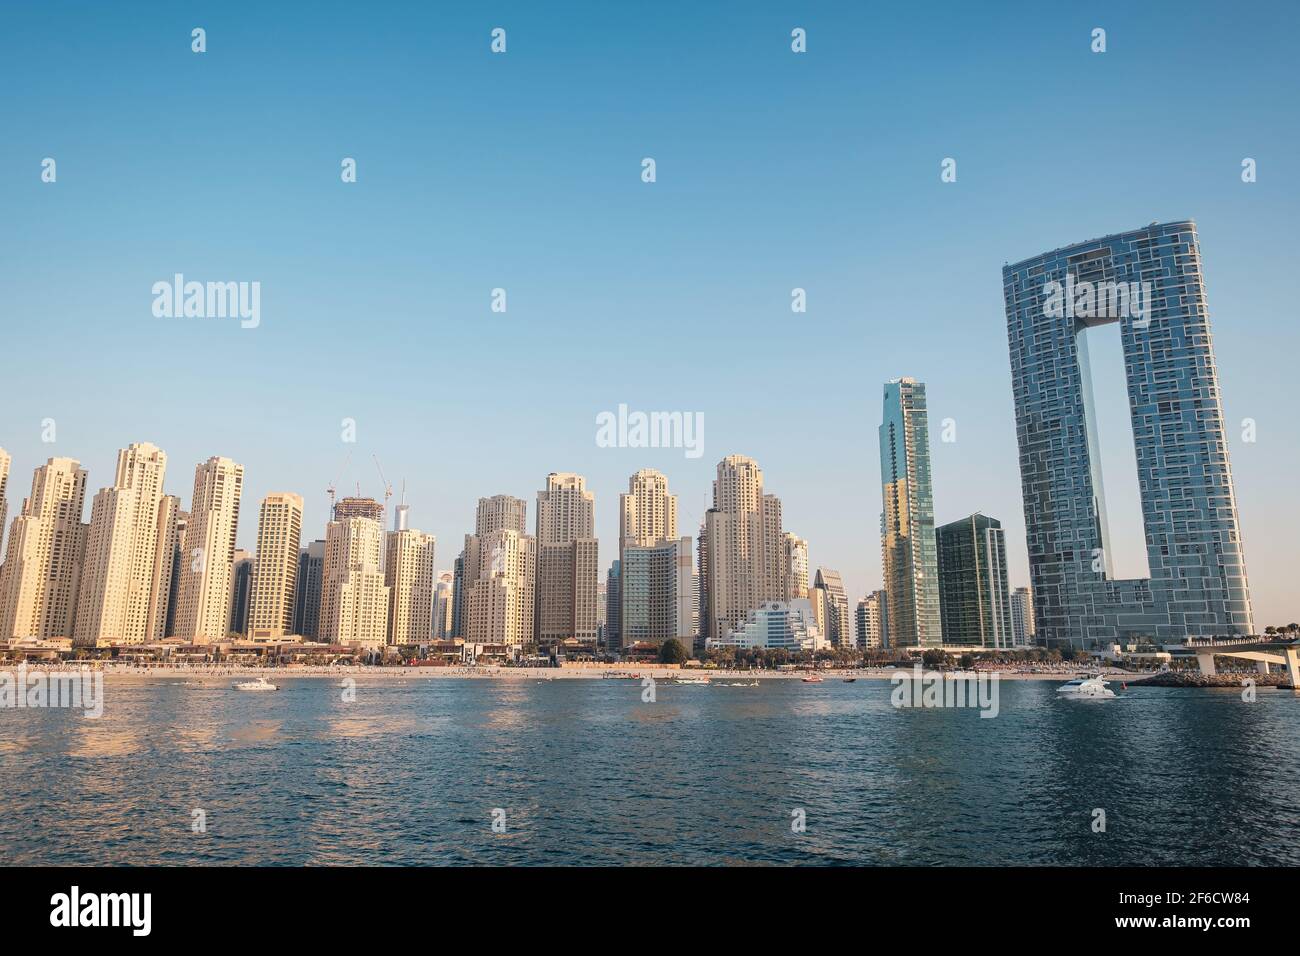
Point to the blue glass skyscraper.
(1149, 281)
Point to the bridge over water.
(1263, 650)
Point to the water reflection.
(588, 773)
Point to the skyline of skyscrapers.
(668, 606)
(142, 568)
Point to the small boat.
(814, 679)
(1090, 688)
(260, 683)
(850, 680)
(697, 681)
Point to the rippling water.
(588, 774)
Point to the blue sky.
(522, 171)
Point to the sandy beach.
(602, 672)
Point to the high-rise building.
(409, 570)
(648, 512)
(458, 596)
(499, 571)
(775, 571)
(203, 603)
(742, 562)
(602, 608)
(1022, 617)
(41, 572)
(5, 462)
(614, 609)
(184, 557)
(871, 621)
(567, 560)
(102, 588)
(168, 555)
(241, 591)
(354, 597)
(838, 626)
(499, 602)
(444, 599)
(275, 570)
(796, 566)
(910, 565)
(1148, 281)
(358, 507)
(566, 591)
(307, 598)
(974, 602)
(695, 607)
(653, 611)
(703, 625)
(658, 598)
(117, 571)
(501, 512)
(818, 606)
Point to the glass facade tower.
(974, 603)
(1148, 281)
(909, 559)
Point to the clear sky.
(523, 171)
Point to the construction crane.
(388, 489)
(331, 490)
(399, 514)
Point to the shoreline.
(210, 672)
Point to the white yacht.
(1092, 688)
(260, 683)
(703, 681)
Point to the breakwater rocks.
(1197, 679)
